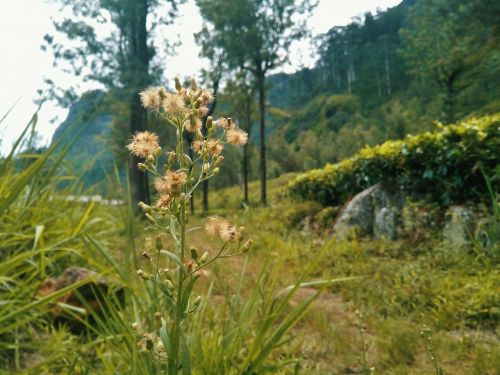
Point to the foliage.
(261, 33)
(441, 166)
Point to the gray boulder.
(374, 211)
(459, 227)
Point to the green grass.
(252, 323)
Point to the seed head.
(214, 146)
(173, 103)
(193, 124)
(164, 201)
(236, 136)
(150, 98)
(197, 146)
(215, 225)
(172, 182)
(203, 111)
(229, 234)
(143, 144)
(206, 96)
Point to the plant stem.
(173, 364)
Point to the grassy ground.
(411, 292)
(372, 323)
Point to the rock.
(374, 211)
(459, 227)
(385, 224)
(90, 292)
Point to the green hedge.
(442, 166)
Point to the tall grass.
(42, 233)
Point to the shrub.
(441, 166)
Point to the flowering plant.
(175, 182)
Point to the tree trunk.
(139, 56)
(248, 128)
(387, 76)
(211, 109)
(261, 81)
(245, 174)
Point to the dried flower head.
(215, 225)
(164, 201)
(193, 125)
(237, 136)
(150, 98)
(222, 123)
(229, 234)
(197, 146)
(173, 103)
(176, 180)
(162, 186)
(143, 144)
(214, 146)
(203, 111)
(172, 182)
(206, 96)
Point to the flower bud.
(246, 246)
(198, 103)
(187, 160)
(143, 275)
(158, 151)
(162, 93)
(171, 157)
(151, 159)
(192, 119)
(210, 122)
(169, 285)
(216, 170)
(194, 253)
(148, 340)
(157, 320)
(135, 327)
(166, 272)
(204, 257)
(158, 242)
(146, 208)
(178, 85)
(196, 302)
(142, 166)
(219, 160)
(206, 167)
(193, 84)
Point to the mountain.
(85, 131)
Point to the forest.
(343, 218)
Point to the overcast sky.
(23, 66)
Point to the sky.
(24, 66)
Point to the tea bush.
(444, 166)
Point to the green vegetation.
(89, 287)
(446, 166)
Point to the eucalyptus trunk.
(262, 109)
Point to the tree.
(240, 92)
(212, 78)
(436, 46)
(256, 36)
(121, 60)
